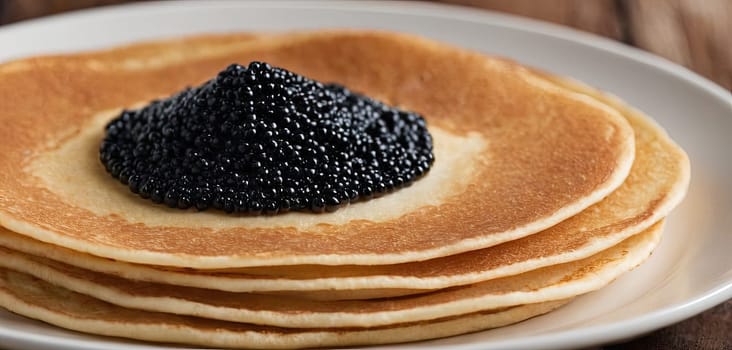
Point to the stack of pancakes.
(542, 190)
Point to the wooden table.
(696, 34)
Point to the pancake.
(34, 298)
(555, 282)
(515, 154)
(656, 184)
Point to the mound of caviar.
(261, 139)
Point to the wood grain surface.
(696, 34)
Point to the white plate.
(691, 270)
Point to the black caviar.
(261, 139)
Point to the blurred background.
(695, 34)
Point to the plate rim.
(420, 7)
(584, 336)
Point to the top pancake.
(515, 154)
(657, 182)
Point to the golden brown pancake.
(515, 153)
(554, 282)
(657, 182)
(34, 298)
